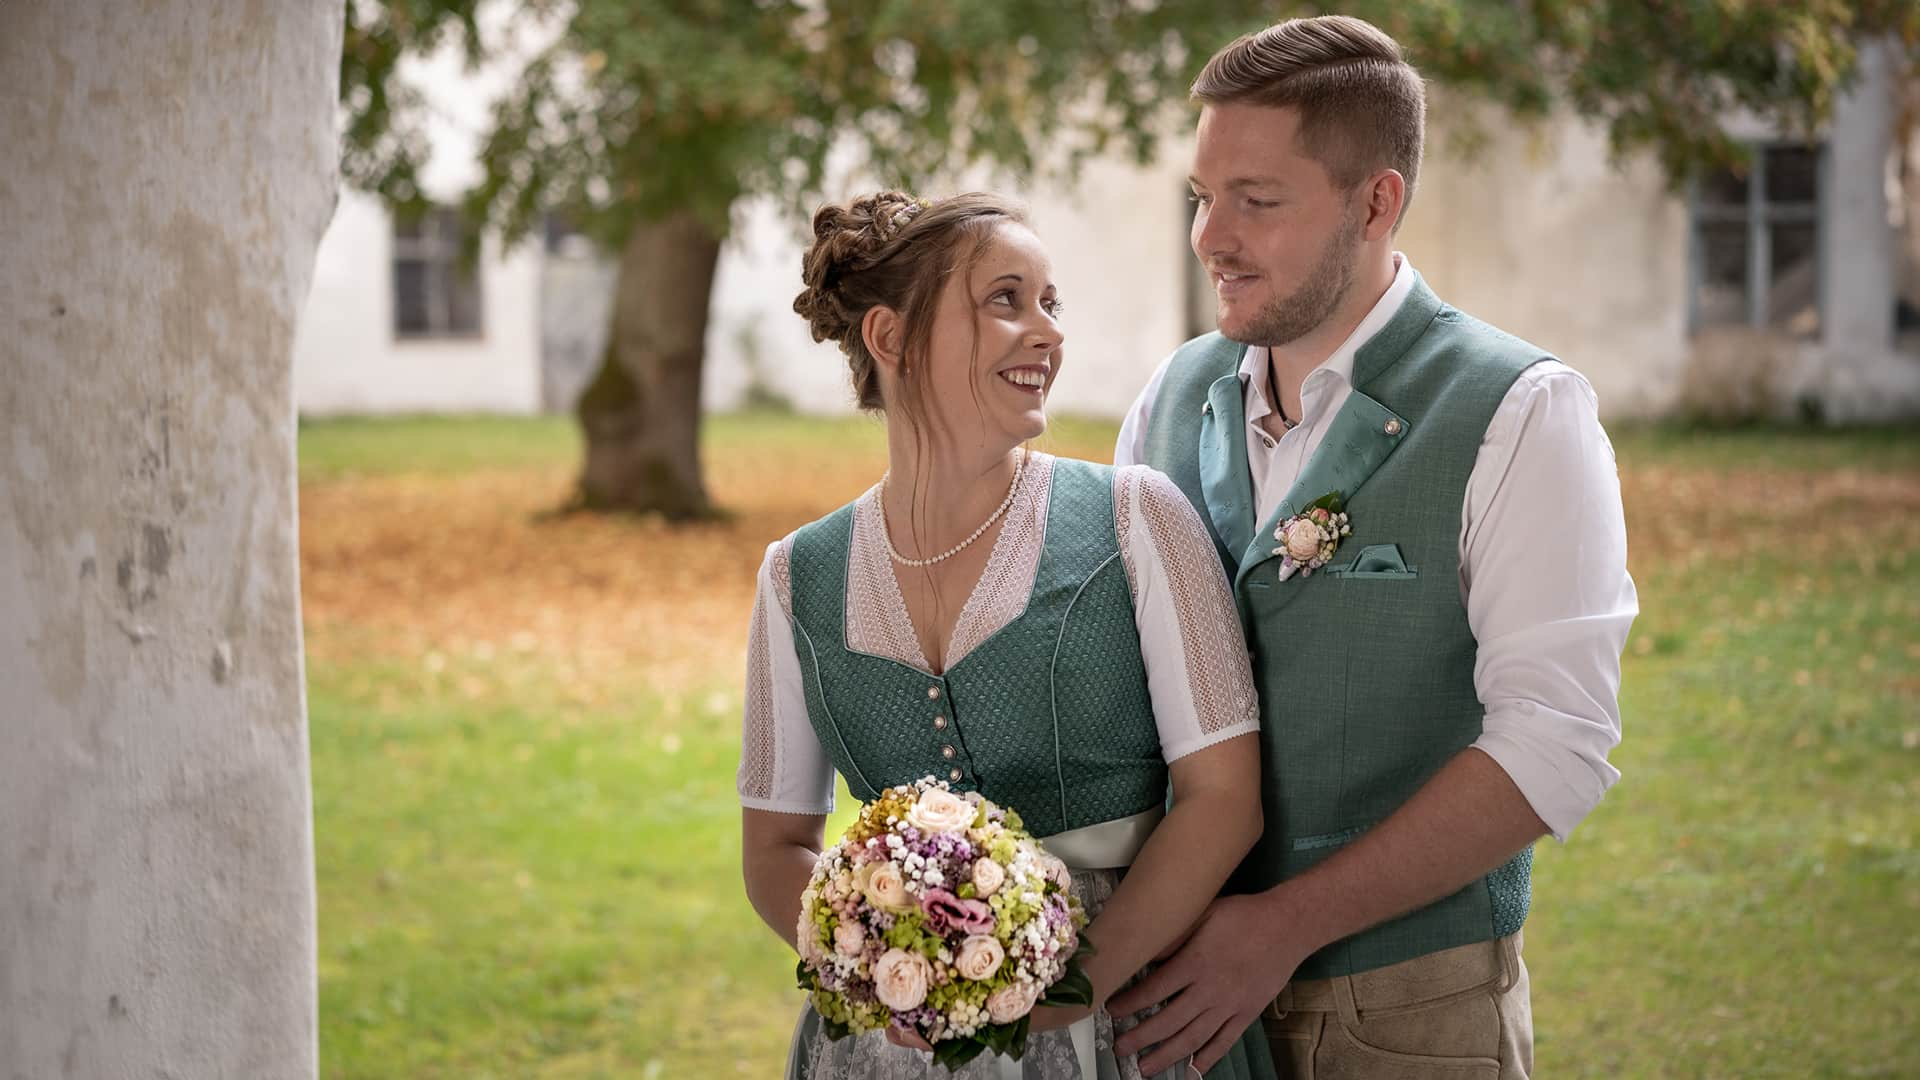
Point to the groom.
(1443, 690)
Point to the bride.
(1055, 634)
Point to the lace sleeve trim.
(1210, 638)
(759, 740)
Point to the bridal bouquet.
(939, 914)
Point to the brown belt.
(1411, 984)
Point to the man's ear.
(1386, 194)
(884, 333)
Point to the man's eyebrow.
(1245, 181)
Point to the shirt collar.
(1253, 363)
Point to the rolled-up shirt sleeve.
(1543, 574)
(782, 766)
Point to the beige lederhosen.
(1461, 1012)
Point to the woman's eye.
(1004, 296)
(1053, 308)
(1196, 197)
(1262, 204)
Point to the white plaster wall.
(348, 360)
(1538, 234)
(1117, 238)
(170, 169)
(1857, 373)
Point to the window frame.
(1760, 215)
(436, 248)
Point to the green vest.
(1050, 715)
(1365, 669)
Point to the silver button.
(954, 775)
(1268, 439)
(947, 752)
(932, 692)
(1394, 427)
(1206, 409)
(939, 723)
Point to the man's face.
(1279, 241)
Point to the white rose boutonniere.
(1309, 538)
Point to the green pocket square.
(1377, 560)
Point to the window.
(435, 294)
(1756, 250)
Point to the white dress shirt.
(1543, 558)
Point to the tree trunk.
(170, 170)
(641, 413)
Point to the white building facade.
(1790, 291)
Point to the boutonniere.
(1309, 538)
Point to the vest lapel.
(1224, 478)
(1364, 432)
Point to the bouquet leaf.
(1331, 502)
(1074, 988)
(957, 1052)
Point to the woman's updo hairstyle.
(894, 250)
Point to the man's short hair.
(1362, 106)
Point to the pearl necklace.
(1019, 468)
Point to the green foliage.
(640, 107)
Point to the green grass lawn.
(517, 880)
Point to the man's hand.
(1216, 985)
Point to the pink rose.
(849, 938)
(979, 957)
(947, 913)
(1011, 1002)
(988, 876)
(1055, 868)
(1303, 540)
(884, 886)
(900, 979)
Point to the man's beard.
(1289, 318)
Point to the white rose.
(849, 938)
(1011, 1002)
(979, 958)
(939, 811)
(900, 979)
(806, 938)
(1303, 540)
(884, 886)
(987, 877)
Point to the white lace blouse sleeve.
(1198, 674)
(782, 767)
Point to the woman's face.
(995, 346)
